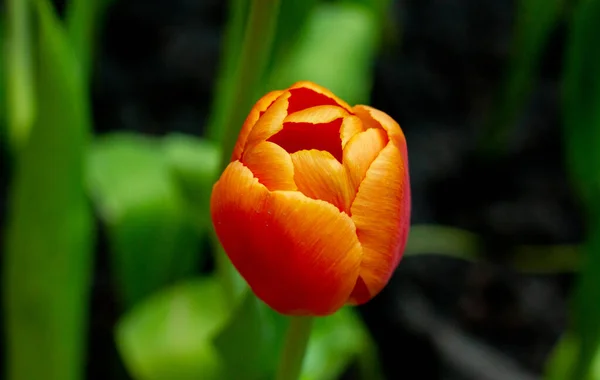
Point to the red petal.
(299, 255)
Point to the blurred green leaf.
(21, 92)
(581, 111)
(169, 335)
(152, 237)
(535, 20)
(84, 17)
(230, 57)
(546, 259)
(293, 16)
(252, 339)
(195, 164)
(48, 258)
(564, 357)
(3, 79)
(335, 342)
(336, 50)
(581, 101)
(443, 240)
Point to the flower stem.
(296, 341)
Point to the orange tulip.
(313, 210)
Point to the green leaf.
(535, 20)
(84, 18)
(581, 101)
(21, 92)
(48, 257)
(564, 357)
(169, 335)
(195, 164)
(335, 342)
(581, 110)
(251, 343)
(3, 79)
(152, 238)
(252, 339)
(293, 16)
(336, 50)
(443, 240)
(223, 103)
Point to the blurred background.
(112, 126)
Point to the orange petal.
(381, 213)
(299, 255)
(319, 175)
(272, 165)
(306, 94)
(255, 113)
(374, 118)
(316, 115)
(350, 126)
(270, 122)
(360, 152)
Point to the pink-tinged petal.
(350, 127)
(271, 165)
(307, 94)
(305, 136)
(299, 255)
(374, 118)
(316, 115)
(361, 151)
(270, 122)
(319, 175)
(381, 213)
(255, 113)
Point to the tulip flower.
(313, 210)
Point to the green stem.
(296, 341)
(232, 47)
(248, 75)
(255, 55)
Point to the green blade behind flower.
(48, 257)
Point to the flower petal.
(307, 94)
(271, 165)
(255, 113)
(270, 122)
(299, 255)
(381, 213)
(350, 126)
(360, 152)
(373, 118)
(319, 175)
(316, 115)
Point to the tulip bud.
(314, 208)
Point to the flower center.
(306, 136)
